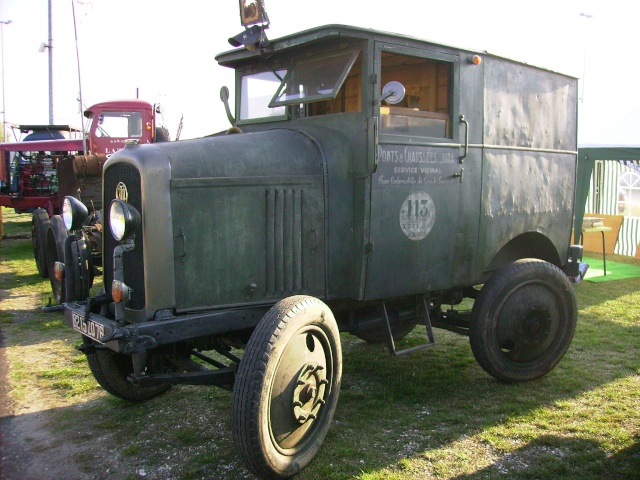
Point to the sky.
(164, 51)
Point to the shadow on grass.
(555, 457)
(390, 409)
(406, 407)
(16, 224)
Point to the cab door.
(416, 186)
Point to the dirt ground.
(29, 448)
(42, 432)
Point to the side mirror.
(393, 93)
(224, 97)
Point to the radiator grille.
(133, 261)
(284, 241)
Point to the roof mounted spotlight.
(251, 38)
(253, 17)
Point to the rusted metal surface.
(89, 165)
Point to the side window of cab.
(421, 101)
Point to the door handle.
(376, 137)
(466, 138)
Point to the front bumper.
(164, 330)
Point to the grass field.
(431, 414)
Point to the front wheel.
(523, 320)
(287, 387)
(111, 370)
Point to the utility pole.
(4, 105)
(50, 45)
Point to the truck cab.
(114, 122)
(369, 183)
(34, 159)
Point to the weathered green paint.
(257, 233)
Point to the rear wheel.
(523, 320)
(39, 227)
(56, 234)
(287, 387)
(111, 370)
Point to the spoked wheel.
(39, 226)
(523, 320)
(111, 369)
(287, 387)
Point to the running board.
(391, 344)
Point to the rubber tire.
(111, 370)
(56, 234)
(283, 326)
(79, 277)
(532, 306)
(162, 134)
(39, 227)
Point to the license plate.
(89, 328)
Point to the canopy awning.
(587, 156)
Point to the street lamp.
(49, 46)
(4, 105)
(587, 16)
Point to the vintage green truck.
(369, 183)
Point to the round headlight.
(124, 219)
(74, 213)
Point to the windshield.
(312, 79)
(257, 90)
(119, 124)
(317, 79)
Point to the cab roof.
(119, 105)
(326, 32)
